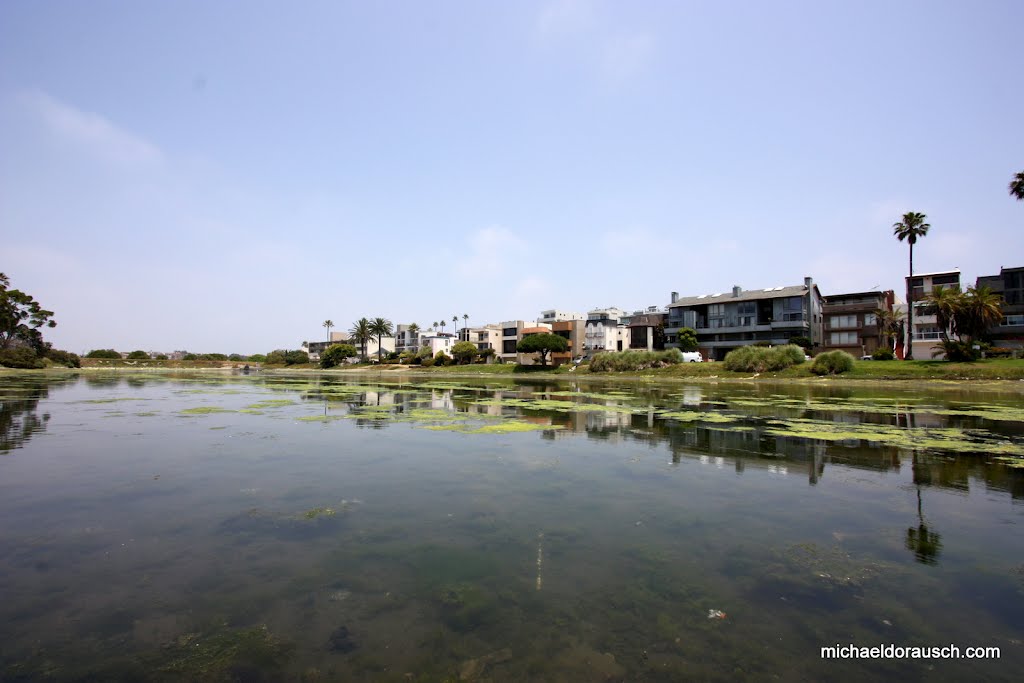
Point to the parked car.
(692, 357)
(866, 358)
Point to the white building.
(605, 331)
(556, 316)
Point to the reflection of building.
(926, 336)
(850, 323)
(1009, 284)
(725, 321)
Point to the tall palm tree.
(455, 322)
(361, 334)
(1016, 186)
(441, 323)
(910, 229)
(328, 324)
(465, 320)
(382, 328)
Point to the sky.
(219, 176)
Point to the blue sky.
(223, 176)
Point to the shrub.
(624, 361)
(999, 352)
(464, 352)
(427, 362)
(190, 356)
(160, 356)
(832, 363)
(138, 355)
(237, 357)
(276, 357)
(257, 358)
(957, 351)
(763, 359)
(687, 339)
(883, 353)
(442, 358)
(296, 357)
(335, 354)
(65, 358)
(103, 353)
(21, 357)
(802, 342)
(212, 356)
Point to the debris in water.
(716, 614)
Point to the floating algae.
(319, 512)
(693, 416)
(205, 410)
(212, 656)
(506, 427)
(271, 403)
(559, 406)
(921, 438)
(321, 418)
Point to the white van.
(692, 357)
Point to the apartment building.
(926, 337)
(556, 316)
(533, 328)
(851, 324)
(647, 330)
(314, 349)
(405, 340)
(1009, 284)
(604, 330)
(727, 320)
(574, 332)
(486, 337)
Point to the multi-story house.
(574, 332)
(486, 337)
(511, 333)
(1009, 284)
(926, 336)
(531, 328)
(605, 331)
(555, 316)
(314, 349)
(851, 324)
(725, 321)
(647, 330)
(405, 340)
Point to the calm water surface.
(306, 528)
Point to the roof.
(938, 272)
(873, 292)
(746, 295)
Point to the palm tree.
(981, 309)
(910, 228)
(441, 323)
(1016, 186)
(465, 323)
(945, 303)
(455, 322)
(361, 334)
(414, 333)
(382, 328)
(890, 326)
(328, 324)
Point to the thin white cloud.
(626, 55)
(565, 16)
(92, 131)
(492, 249)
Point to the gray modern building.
(727, 320)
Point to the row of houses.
(724, 321)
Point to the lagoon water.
(312, 528)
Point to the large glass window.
(842, 321)
(870, 319)
(842, 338)
(509, 332)
(508, 346)
(793, 303)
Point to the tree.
(1016, 186)
(442, 323)
(464, 352)
(465, 322)
(103, 353)
(138, 355)
(687, 337)
(944, 303)
(910, 229)
(981, 310)
(328, 324)
(21, 316)
(543, 344)
(335, 354)
(890, 326)
(361, 334)
(455, 324)
(382, 328)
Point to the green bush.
(21, 357)
(212, 356)
(138, 355)
(427, 362)
(763, 359)
(687, 339)
(832, 363)
(103, 353)
(464, 352)
(237, 357)
(190, 356)
(65, 358)
(442, 358)
(802, 342)
(335, 354)
(160, 356)
(257, 358)
(999, 352)
(625, 361)
(883, 353)
(957, 351)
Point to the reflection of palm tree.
(922, 541)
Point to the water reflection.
(20, 417)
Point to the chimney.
(736, 291)
(808, 282)
(675, 297)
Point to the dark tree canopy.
(335, 354)
(465, 351)
(687, 337)
(21, 316)
(542, 344)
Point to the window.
(843, 338)
(1013, 321)
(508, 346)
(746, 320)
(716, 310)
(746, 308)
(793, 303)
(945, 280)
(510, 332)
(870, 319)
(842, 321)
(792, 317)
